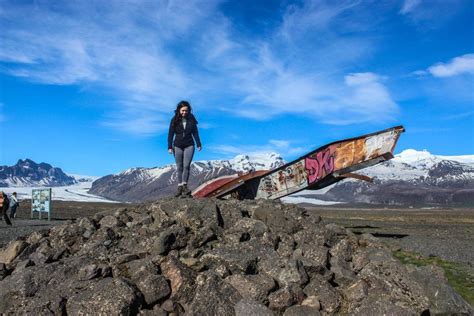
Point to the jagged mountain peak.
(449, 168)
(26, 162)
(257, 161)
(29, 173)
(30, 164)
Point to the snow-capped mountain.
(140, 184)
(245, 163)
(413, 178)
(425, 159)
(421, 166)
(29, 173)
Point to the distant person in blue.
(13, 205)
(183, 128)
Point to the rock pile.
(208, 257)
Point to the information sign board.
(41, 202)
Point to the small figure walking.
(13, 205)
(183, 128)
(4, 205)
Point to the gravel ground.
(61, 212)
(445, 233)
(23, 227)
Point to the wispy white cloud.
(459, 116)
(299, 72)
(206, 125)
(149, 55)
(430, 14)
(278, 143)
(286, 148)
(409, 6)
(118, 47)
(136, 121)
(369, 100)
(312, 15)
(419, 73)
(227, 149)
(459, 65)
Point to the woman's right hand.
(170, 151)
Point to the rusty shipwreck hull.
(214, 186)
(225, 185)
(315, 170)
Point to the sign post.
(41, 202)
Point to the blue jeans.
(183, 157)
(13, 211)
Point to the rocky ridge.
(29, 173)
(210, 257)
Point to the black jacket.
(4, 202)
(184, 137)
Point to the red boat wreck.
(313, 171)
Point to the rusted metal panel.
(357, 176)
(205, 189)
(325, 165)
(237, 183)
(289, 179)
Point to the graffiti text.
(319, 165)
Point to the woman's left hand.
(199, 148)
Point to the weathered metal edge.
(399, 127)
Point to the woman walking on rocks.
(183, 128)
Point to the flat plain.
(447, 233)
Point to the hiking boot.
(180, 191)
(186, 191)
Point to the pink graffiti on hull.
(319, 165)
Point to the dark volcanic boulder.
(109, 296)
(208, 257)
(213, 296)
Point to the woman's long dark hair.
(177, 116)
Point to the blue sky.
(90, 86)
